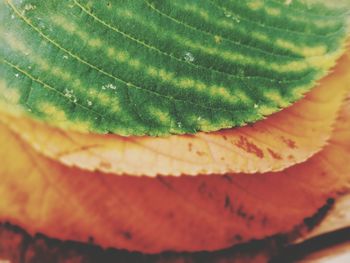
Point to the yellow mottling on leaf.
(324, 62)
(166, 76)
(203, 124)
(115, 107)
(204, 14)
(299, 91)
(126, 13)
(80, 125)
(152, 71)
(59, 72)
(93, 92)
(135, 63)
(43, 64)
(255, 5)
(72, 28)
(200, 86)
(266, 110)
(10, 95)
(294, 66)
(211, 50)
(302, 50)
(83, 35)
(195, 9)
(186, 83)
(243, 96)
(218, 39)
(324, 23)
(95, 43)
(122, 56)
(64, 23)
(225, 24)
(104, 99)
(55, 113)
(162, 116)
(77, 83)
(260, 36)
(223, 92)
(273, 11)
(111, 52)
(236, 57)
(275, 96)
(15, 43)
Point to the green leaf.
(160, 67)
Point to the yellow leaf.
(166, 213)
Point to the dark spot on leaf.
(170, 215)
(290, 143)
(190, 145)
(202, 188)
(91, 240)
(274, 154)
(227, 178)
(264, 221)
(200, 153)
(238, 237)
(227, 202)
(249, 147)
(241, 212)
(164, 182)
(127, 235)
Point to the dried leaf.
(166, 213)
(280, 141)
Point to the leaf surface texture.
(151, 67)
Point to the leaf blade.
(133, 83)
(194, 213)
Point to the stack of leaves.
(161, 125)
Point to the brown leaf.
(166, 213)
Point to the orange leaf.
(166, 213)
(282, 140)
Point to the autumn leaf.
(102, 67)
(166, 213)
(276, 143)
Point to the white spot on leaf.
(228, 14)
(29, 7)
(109, 86)
(188, 57)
